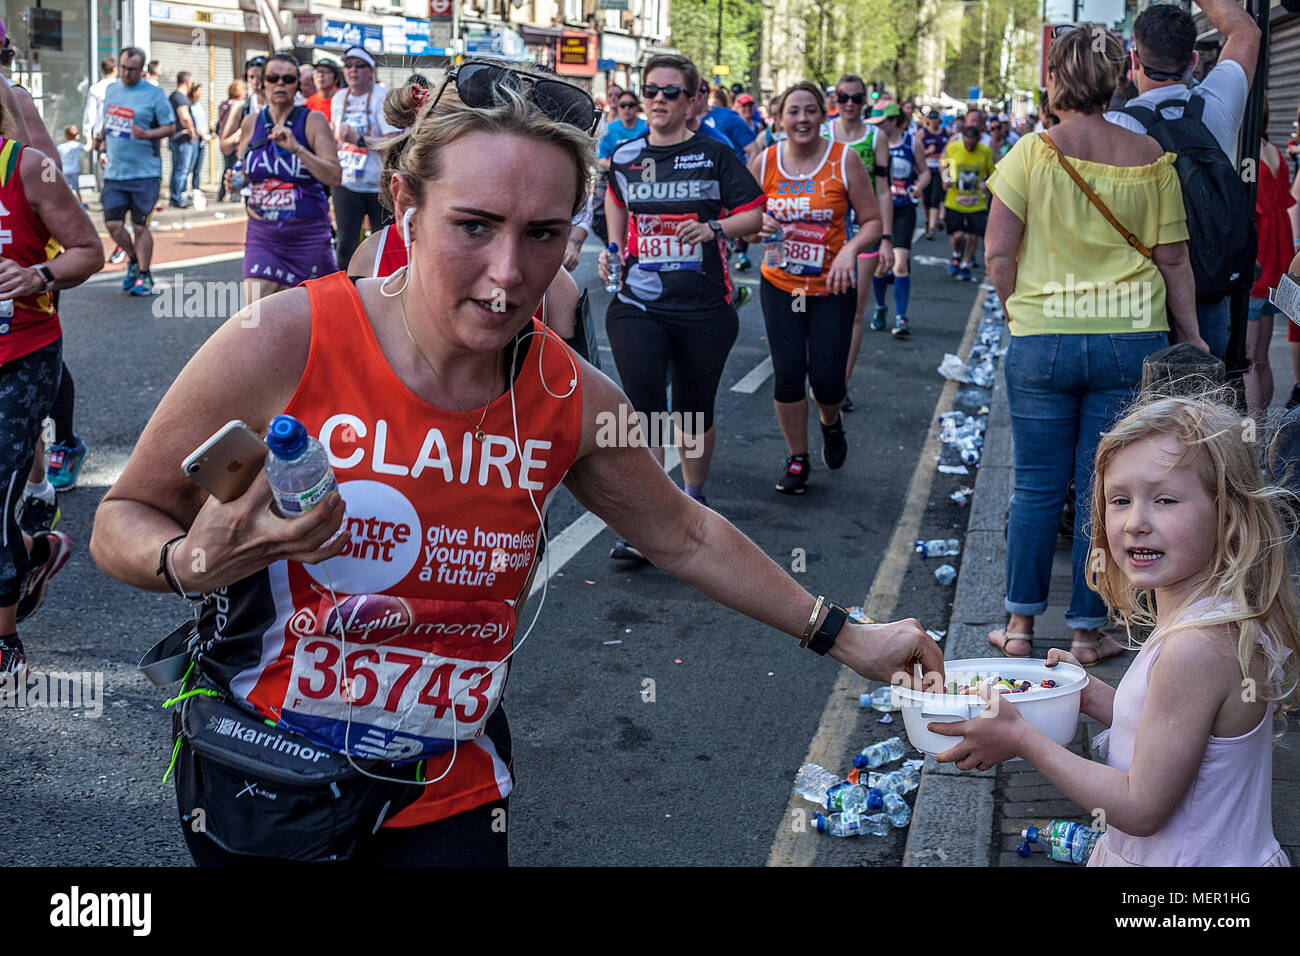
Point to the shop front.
(575, 57)
(57, 45)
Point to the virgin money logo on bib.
(386, 536)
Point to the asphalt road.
(699, 774)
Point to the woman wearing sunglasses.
(812, 187)
(449, 422)
(290, 163)
(674, 199)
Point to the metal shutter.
(1283, 78)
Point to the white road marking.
(754, 378)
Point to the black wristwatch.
(717, 230)
(886, 235)
(824, 639)
(46, 275)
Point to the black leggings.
(349, 209)
(477, 837)
(61, 410)
(27, 387)
(695, 347)
(811, 343)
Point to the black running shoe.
(794, 481)
(835, 447)
(13, 665)
(36, 515)
(50, 552)
(622, 551)
(848, 403)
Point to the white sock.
(44, 491)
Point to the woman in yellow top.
(1084, 309)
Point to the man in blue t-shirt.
(722, 118)
(137, 118)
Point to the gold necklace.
(479, 434)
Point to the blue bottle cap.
(864, 700)
(613, 247)
(287, 437)
(819, 822)
(862, 761)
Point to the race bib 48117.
(659, 249)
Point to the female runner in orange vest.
(449, 424)
(808, 298)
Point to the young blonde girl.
(1193, 546)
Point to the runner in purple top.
(290, 159)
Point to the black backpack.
(1222, 239)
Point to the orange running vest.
(444, 535)
(813, 212)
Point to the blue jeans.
(1215, 324)
(1063, 392)
(182, 163)
(196, 165)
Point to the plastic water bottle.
(237, 180)
(1062, 840)
(938, 547)
(615, 280)
(877, 754)
(831, 791)
(851, 824)
(946, 574)
(774, 249)
(899, 782)
(298, 467)
(897, 812)
(881, 699)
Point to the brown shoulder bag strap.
(1131, 239)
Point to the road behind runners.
(700, 774)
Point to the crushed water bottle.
(946, 574)
(897, 812)
(1062, 840)
(877, 755)
(615, 280)
(298, 467)
(900, 782)
(850, 824)
(815, 783)
(938, 547)
(774, 249)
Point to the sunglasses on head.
(670, 92)
(256, 61)
(858, 98)
(476, 85)
(276, 78)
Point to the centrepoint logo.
(386, 538)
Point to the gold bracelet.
(812, 621)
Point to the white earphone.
(406, 229)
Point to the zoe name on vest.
(497, 460)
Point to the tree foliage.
(693, 26)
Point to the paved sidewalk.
(975, 818)
(183, 234)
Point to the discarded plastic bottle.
(774, 249)
(881, 699)
(298, 467)
(879, 754)
(815, 783)
(897, 812)
(938, 547)
(615, 279)
(1062, 840)
(946, 574)
(900, 782)
(851, 824)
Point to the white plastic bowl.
(1052, 710)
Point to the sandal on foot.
(1002, 637)
(1094, 647)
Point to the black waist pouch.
(257, 790)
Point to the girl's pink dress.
(1225, 818)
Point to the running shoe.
(878, 319)
(132, 272)
(901, 331)
(743, 264)
(929, 234)
(118, 255)
(848, 403)
(954, 267)
(965, 275)
(143, 284)
(12, 661)
(65, 463)
(974, 262)
(835, 447)
(794, 480)
(622, 551)
(743, 294)
(36, 514)
(50, 552)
